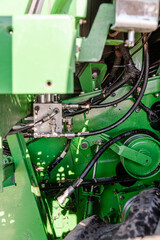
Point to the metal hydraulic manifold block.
(136, 16)
(48, 116)
(47, 119)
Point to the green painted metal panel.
(33, 58)
(59, 6)
(6, 55)
(1, 165)
(91, 48)
(14, 108)
(43, 61)
(47, 7)
(38, 50)
(88, 83)
(19, 214)
(114, 42)
(76, 8)
(138, 57)
(13, 7)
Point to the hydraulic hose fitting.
(61, 199)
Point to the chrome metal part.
(61, 199)
(128, 205)
(137, 15)
(39, 7)
(42, 98)
(36, 6)
(95, 167)
(47, 119)
(131, 39)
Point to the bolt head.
(84, 145)
(157, 95)
(138, 109)
(121, 197)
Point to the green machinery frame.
(38, 55)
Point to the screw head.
(121, 197)
(113, 94)
(84, 145)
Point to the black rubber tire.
(91, 228)
(141, 221)
(143, 217)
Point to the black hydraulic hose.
(124, 97)
(70, 114)
(59, 159)
(88, 182)
(32, 141)
(145, 41)
(79, 180)
(138, 41)
(112, 75)
(100, 97)
(132, 109)
(111, 142)
(105, 95)
(131, 73)
(150, 113)
(107, 91)
(21, 129)
(31, 125)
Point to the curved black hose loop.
(112, 141)
(132, 109)
(80, 179)
(152, 116)
(124, 97)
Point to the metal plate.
(138, 15)
(48, 128)
(38, 54)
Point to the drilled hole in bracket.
(10, 30)
(49, 84)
